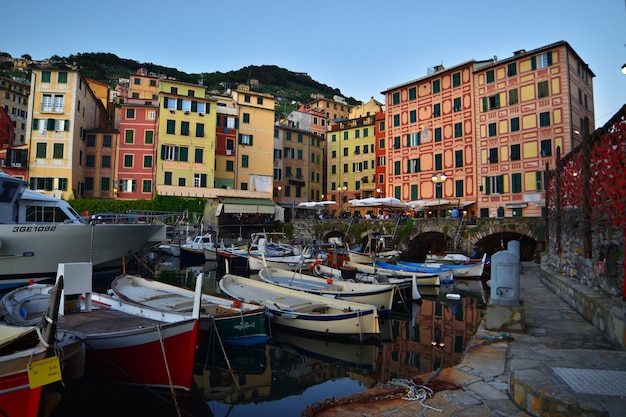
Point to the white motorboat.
(37, 232)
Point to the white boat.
(447, 258)
(124, 342)
(423, 278)
(311, 314)
(198, 250)
(236, 323)
(32, 346)
(375, 248)
(380, 296)
(38, 232)
(473, 270)
(258, 261)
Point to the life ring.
(315, 262)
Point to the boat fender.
(329, 281)
(236, 303)
(453, 296)
(315, 262)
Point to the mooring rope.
(167, 368)
(415, 392)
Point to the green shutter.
(484, 104)
(162, 152)
(549, 54)
(533, 63)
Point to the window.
(494, 185)
(62, 78)
(436, 86)
(493, 156)
(245, 139)
(90, 161)
(490, 76)
(246, 118)
(88, 183)
(107, 141)
(458, 188)
(395, 98)
(244, 161)
(413, 93)
(146, 186)
(128, 161)
(544, 119)
(105, 184)
(543, 90)
(246, 98)
(198, 155)
(396, 142)
(546, 148)
(437, 110)
(45, 76)
(41, 151)
(397, 169)
(458, 158)
(91, 141)
(516, 183)
(438, 162)
(413, 139)
(492, 129)
(413, 166)
(148, 137)
(458, 130)
(515, 152)
(456, 79)
(106, 161)
(169, 153)
(167, 178)
(396, 120)
(182, 182)
(541, 61)
(171, 127)
(513, 98)
(457, 104)
(130, 113)
(147, 161)
(129, 136)
(511, 69)
(515, 124)
(437, 134)
(230, 166)
(413, 116)
(57, 151)
(184, 128)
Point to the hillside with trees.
(108, 68)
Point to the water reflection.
(292, 372)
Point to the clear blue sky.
(342, 43)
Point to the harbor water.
(290, 373)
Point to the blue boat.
(444, 274)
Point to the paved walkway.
(562, 365)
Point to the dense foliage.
(109, 69)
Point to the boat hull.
(307, 313)
(244, 324)
(34, 251)
(379, 296)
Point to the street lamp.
(438, 180)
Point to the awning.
(246, 205)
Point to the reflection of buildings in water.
(240, 375)
(248, 379)
(436, 338)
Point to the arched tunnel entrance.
(438, 242)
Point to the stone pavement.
(562, 365)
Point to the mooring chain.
(414, 392)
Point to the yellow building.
(351, 156)
(62, 108)
(298, 165)
(185, 138)
(255, 140)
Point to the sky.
(361, 47)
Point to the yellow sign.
(45, 371)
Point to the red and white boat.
(21, 347)
(124, 342)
